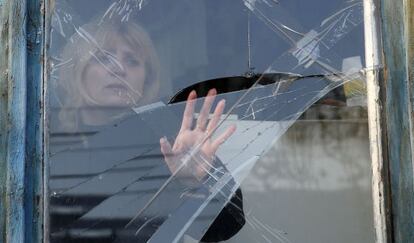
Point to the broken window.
(187, 121)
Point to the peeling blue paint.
(3, 120)
(20, 121)
(397, 115)
(16, 124)
(34, 128)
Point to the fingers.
(205, 110)
(189, 111)
(216, 116)
(166, 150)
(223, 137)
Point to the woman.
(112, 67)
(105, 75)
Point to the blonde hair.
(77, 54)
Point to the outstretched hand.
(198, 138)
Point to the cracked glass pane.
(208, 121)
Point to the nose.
(115, 67)
(118, 69)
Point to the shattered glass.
(208, 121)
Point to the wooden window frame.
(389, 35)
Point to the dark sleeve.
(228, 222)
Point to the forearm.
(228, 222)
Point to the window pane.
(186, 121)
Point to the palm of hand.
(194, 146)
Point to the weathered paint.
(16, 123)
(397, 116)
(20, 121)
(47, 12)
(410, 33)
(410, 52)
(34, 129)
(4, 35)
(409, 8)
(380, 180)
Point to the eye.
(133, 61)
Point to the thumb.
(166, 150)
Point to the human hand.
(198, 138)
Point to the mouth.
(118, 89)
(122, 93)
(116, 86)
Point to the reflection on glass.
(109, 72)
(143, 150)
(111, 78)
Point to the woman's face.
(115, 77)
